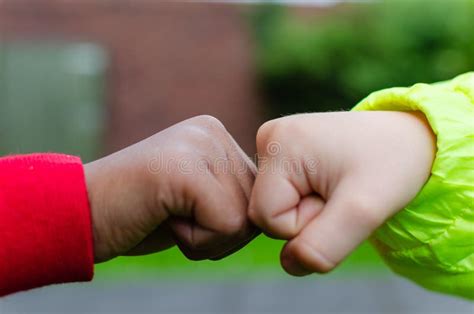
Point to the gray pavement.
(281, 295)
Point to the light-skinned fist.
(326, 181)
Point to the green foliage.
(332, 60)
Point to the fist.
(326, 181)
(188, 185)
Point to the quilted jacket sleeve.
(431, 241)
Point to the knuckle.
(207, 132)
(198, 133)
(266, 133)
(234, 225)
(277, 131)
(208, 122)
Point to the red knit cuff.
(45, 223)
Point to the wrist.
(417, 149)
(95, 204)
(427, 137)
(122, 201)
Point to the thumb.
(347, 219)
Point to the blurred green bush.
(331, 60)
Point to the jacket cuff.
(433, 234)
(45, 222)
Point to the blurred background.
(90, 77)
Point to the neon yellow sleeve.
(431, 241)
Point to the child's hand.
(188, 185)
(327, 181)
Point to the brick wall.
(169, 61)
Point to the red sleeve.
(45, 224)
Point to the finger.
(244, 169)
(159, 240)
(280, 207)
(219, 221)
(233, 248)
(347, 219)
(271, 195)
(193, 236)
(217, 203)
(197, 243)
